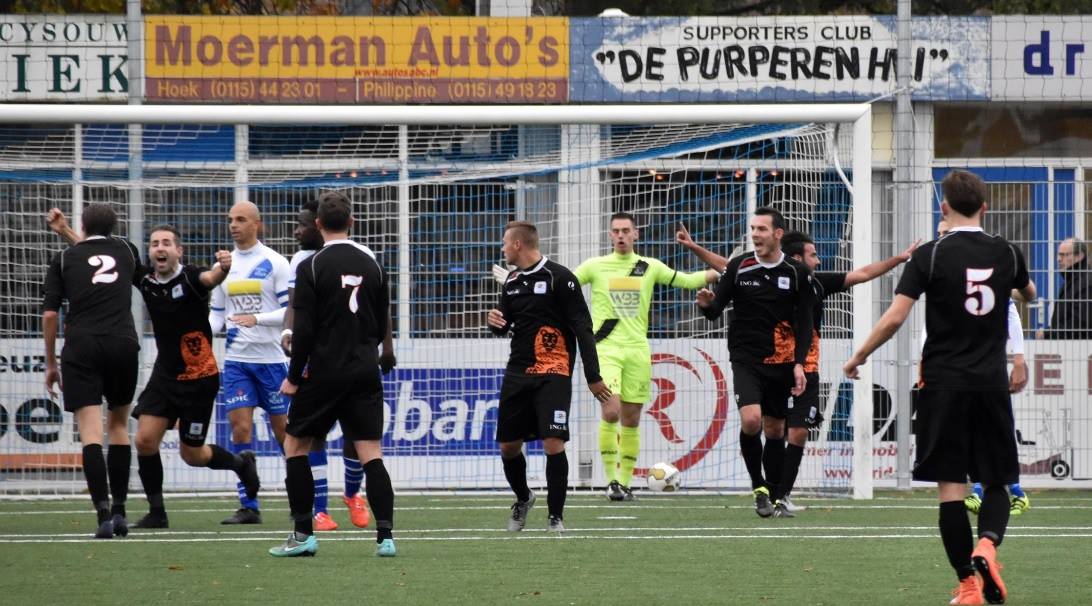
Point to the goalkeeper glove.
(500, 273)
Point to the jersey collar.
(341, 241)
(535, 267)
(253, 249)
(177, 272)
(94, 238)
(779, 261)
(969, 228)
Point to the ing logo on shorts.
(551, 354)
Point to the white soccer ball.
(664, 477)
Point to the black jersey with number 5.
(340, 303)
(966, 277)
(96, 276)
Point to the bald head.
(244, 222)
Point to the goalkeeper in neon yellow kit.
(621, 293)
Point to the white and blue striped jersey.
(257, 284)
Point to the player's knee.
(510, 449)
(146, 444)
(774, 429)
(240, 434)
(192, 455)
(553, 446)
(798, 436)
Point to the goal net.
(432, 189)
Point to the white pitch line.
(410, 531)
(639, 507)
(531, 537)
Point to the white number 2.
(983, 304)
(105, 263)
(355, 282)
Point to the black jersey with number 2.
(96, 276)
(966, 277)
(340, 303)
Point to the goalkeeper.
(621, 294)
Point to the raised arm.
(712, 303)
(214, 276)
(879, 268)
(59, 225)
(710, 258)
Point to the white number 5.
(983, 304)
(105, 263)
(355, 282)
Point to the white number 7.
(355, 282)
(984, 303)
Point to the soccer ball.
(663, 477)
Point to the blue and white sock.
(236, 448)
(317, 459)
(1016, 491)
(977, 489)
(354, 476)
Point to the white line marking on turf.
(616, 517)
(543, 536)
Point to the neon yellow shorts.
(627, 370)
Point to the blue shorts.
(248, 384)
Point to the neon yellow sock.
(628, 447)
(608, 448)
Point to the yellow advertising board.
(356, 59)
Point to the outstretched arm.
(879, 268)
(710, 258)
(888, 325)
(213, 277)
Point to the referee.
(340, 304)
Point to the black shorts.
(768, 385)
(804, 409)
(97, 367)
(963, 434)
(533, 408)
(188, 402)
(318, 404)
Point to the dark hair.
(167, 227)
(334, 211)
(524, 231)
(311, 205)
(99, 220)
(1079, 247)
(775, 215)
(793, 242)
(965, 192)
(624, 215)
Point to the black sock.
(118, 459)
(301, 492)
(94, 469)
(790, 467)
(993, 515)
(515, 471)
(150, 469)
(222, 459)
(773, 459)
(955, 533)
(751, 449)
(557, 482)
(380, 497)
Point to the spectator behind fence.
(1072, 309)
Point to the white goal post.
(854, 171)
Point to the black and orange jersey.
(96, 276)
(179, 310)
(773, 303)
(548, 317)
(823, 284)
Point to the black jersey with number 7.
(340, 305)
(966, 277)
(96, 276)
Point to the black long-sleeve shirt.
(340, 303)
(772, 316)
(548, 317)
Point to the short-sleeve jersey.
(96, 276)
(621, 293)
(179, 310)
(966, 277)
(547, 317)
(293, 265)
(824, 284)
(772, 309)
(257, 283)
(341, 302)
